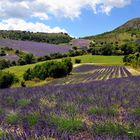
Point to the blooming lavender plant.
(114, 105)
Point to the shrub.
(23, 84)
(68, 63)
(6, 79)
(27, 75)
(58, 70)
(49, 69)
(40, 71)
(27, 59)
(132, 59)
(77, 61)
(21, 62)
(4, 64)
(127, 49)
(2, 53)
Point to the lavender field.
(80, 42)
(38, 49)
(96, 110)
(88, 73)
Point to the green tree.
(58, 70)
(68, 63)
(29, 58)
(2, 53)
(127, 49)
(107, 50)
(6, 79)
(4, 64)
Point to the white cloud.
(14, 14)
(60, 8)
(19, 24)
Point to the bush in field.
(132, 59)
(2, 53)
(27, 75)
(6, 79)
(40, 71)
(77, 61)
(58, 70)
(27, 59)
(4, 64)
(68, 63)
(23, 84)
(21, 62)
(49, 69)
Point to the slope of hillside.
(130, 31)
(52, 38)
(134, 23)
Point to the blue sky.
(77, 17)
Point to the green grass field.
(103, 60)
(100, 60)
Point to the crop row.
(88, 73)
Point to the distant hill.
(130, 31)
(52, 38)
(131, 24)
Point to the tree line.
(132, 60)
(103, 48)
(52, 38)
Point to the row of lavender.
(38, 49)
(96, 110)
(88, 73)
(90, 67)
